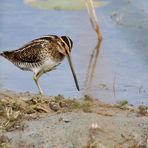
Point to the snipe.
(42, 55)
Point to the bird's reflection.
(92, 67)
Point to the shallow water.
(122, 65)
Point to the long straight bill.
(73, 72)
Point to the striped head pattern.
(65, 44)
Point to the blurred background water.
(123, 59)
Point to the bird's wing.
(30, 53)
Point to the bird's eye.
(62, 44)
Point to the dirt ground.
(29, 120)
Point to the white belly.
(46, 66)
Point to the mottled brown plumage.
(42, 55)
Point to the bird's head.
(65, 47)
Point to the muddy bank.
(29, 120)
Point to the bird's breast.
(46, 66)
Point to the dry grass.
(143, 110)
(86, 107)
(18, 108)
(122, 103)
(14, 110)
(4, 142)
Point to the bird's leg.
(36, 77)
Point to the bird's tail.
(4, 54)
(7, 54)
(1, 54)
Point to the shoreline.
(56, 121)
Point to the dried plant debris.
(143, 110)
(88, 98)
(122, 102)
(133, 140)
(15, 109)
(4, 141)
(86, 118)
(86, 107)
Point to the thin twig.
(114, 83)
(95, 52)
(92, 66)
(93, 18)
